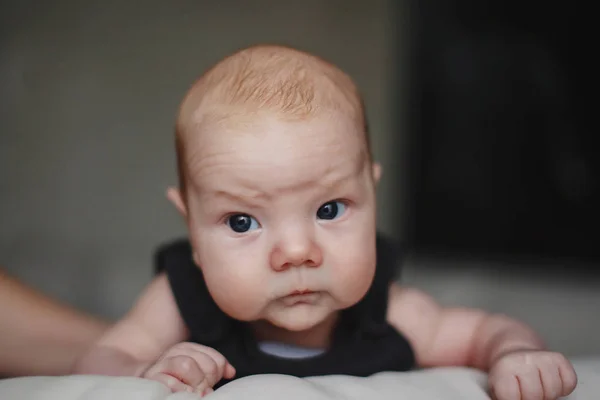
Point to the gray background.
(89, 91)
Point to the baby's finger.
(212, 371)
(204, 388)
(217, 357)
(172, 383)
(184, 368)
(505, 388)
(530, 384)
(229, 372)
(568, 378)
(551, 382)
(199, 352)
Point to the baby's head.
(277, 186)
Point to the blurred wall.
(89, 92)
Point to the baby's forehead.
(269, 129)
(273, 146)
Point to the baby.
(277, 187)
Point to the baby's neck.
(318, 337)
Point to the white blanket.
(439, 383)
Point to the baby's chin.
(299, 320)
(295, 320)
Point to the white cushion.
(437, 383)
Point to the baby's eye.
(241, 223)
(331, 210)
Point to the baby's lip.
(301, 292)
(304, 296)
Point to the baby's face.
(282, 218)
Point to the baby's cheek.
(352, 278)
(237, 294)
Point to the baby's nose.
(296, 251)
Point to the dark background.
(501, 115)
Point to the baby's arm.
(149, 328)
(509, 350)
(147, 343)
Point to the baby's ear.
(377, 170)
(174, 195)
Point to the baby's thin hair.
(274, 82)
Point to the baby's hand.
(532, 375)
(190, 367)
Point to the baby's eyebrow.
(257, 198)
(248, 194)
(254, 198)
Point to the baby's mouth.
(300, 292)
(298, 297)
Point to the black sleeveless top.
(363, 342)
